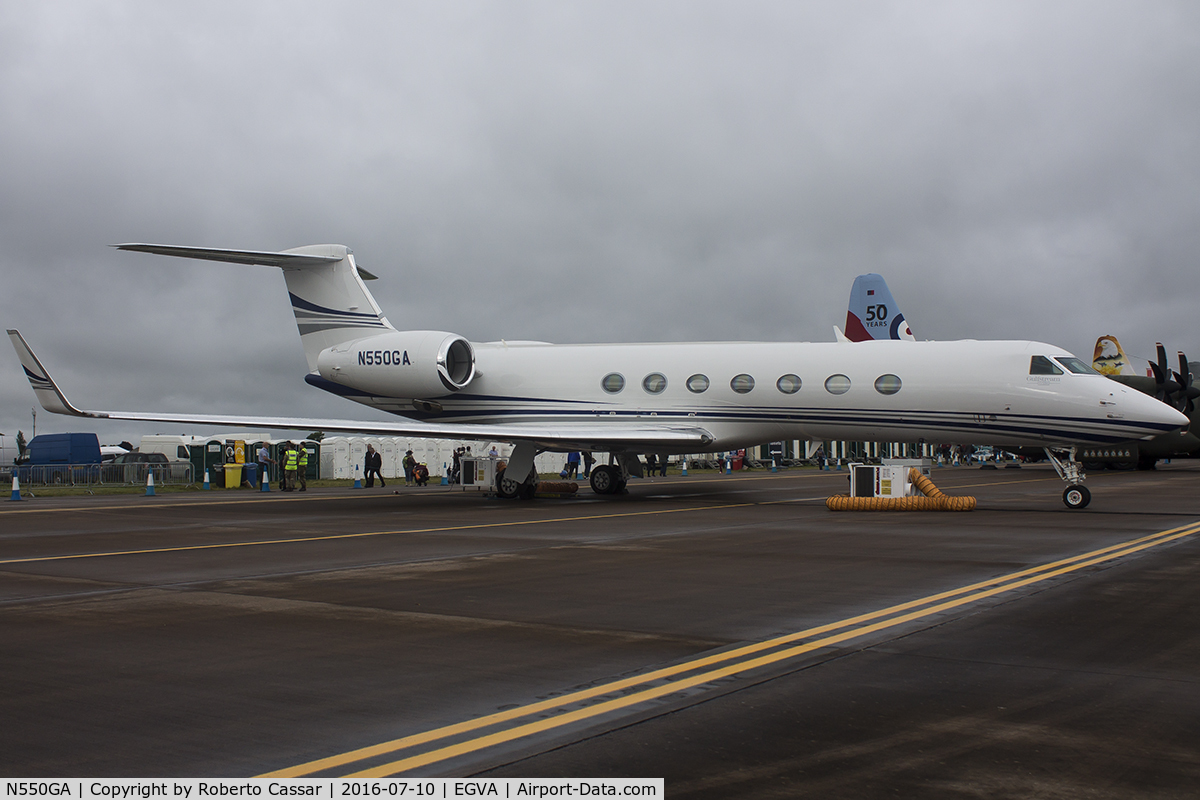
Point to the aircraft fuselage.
(746, 393)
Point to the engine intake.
(401, 364)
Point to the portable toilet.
(205, 454)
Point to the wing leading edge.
(599, 437)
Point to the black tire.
(1077, 496)
(604, 480)
(506, 489)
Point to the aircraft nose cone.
(1157, 412)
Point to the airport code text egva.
(333, 788)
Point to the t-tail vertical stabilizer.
(873, 313)
(330, 300)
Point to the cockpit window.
(1040, 365)
(1078, 366)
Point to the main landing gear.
(1076, 495)
(510, 489)
(606, 479)
(508, 485)
(612, 478)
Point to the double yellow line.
(609, 697)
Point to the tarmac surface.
(726, 633)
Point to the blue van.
(57, 457)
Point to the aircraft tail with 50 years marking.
(873, 313)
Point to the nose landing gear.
(1076, 495)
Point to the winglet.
(47, 391)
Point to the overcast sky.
(578, 172)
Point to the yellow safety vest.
(290, 464)
(303, 457)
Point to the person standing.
(368, 465)
(588, 460)
(263, 457)
(409, 464)
(572, 465)
(302, 468)
(373, 462)
(290, 464)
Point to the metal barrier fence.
(175, 473)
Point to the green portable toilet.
(204, 455)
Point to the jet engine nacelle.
(403, 364)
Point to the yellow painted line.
(942, 601)
(135, 506)
(368, 534)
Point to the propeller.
(1176, 389)
(1188, 393)
(1164, 386)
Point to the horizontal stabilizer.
(258, 257)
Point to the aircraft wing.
(604, 437)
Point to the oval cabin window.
(654, 383)
(788, 384)
(887, 384)
(613, 382)
(837, 384)
(742, 383)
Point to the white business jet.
(695, 397)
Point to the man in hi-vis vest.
(290, 463)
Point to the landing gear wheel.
(1077, 496)
(604, 480)
(507, 489)
(512, 490)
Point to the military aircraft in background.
(696, 397)
(1108, 358)
(1175, 388)
(873, 314)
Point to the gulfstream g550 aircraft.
(627, 399)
